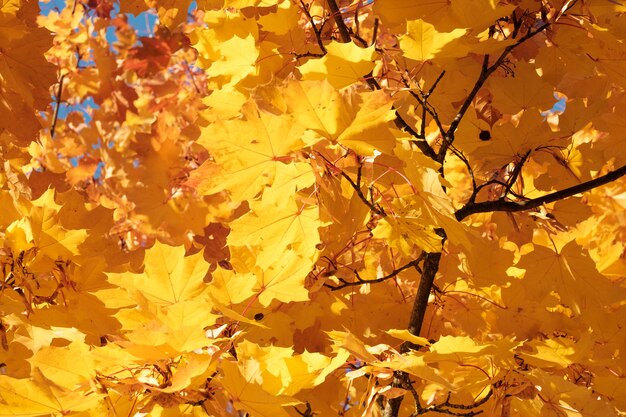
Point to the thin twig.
(444, 407)
(308, 54)
(467, 164)
(433, 113)
(419, 139)
(316, 30)
(468, 406)
(516, 173)
(361, 281)
(190, 74)
(357, 188)
(472, 198)
(422, 99)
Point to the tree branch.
(431, 266)
(513, 206)
(517, 170)
(344, 32)
(58, 100)
(392, 408)
(374, 207)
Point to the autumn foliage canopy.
(274, 208)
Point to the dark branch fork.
(316, 30)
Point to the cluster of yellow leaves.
(234, 221)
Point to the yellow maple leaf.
(25, 74)
(408, 337)
(70, 366)
(225, 103)
(273, 229)
(529, 90)
(475, 15)
(240, 4)
(318, 106)
(513, 140)
(397, 12)
(415, 364)
(227, 48)
(561, 396)
(423, 42)
(289, 179)
(368, 132)
(228, 287)
(478, 15)
(572, 274)
(343, 64)
(351, 343)
(238, 59)
(281, 372)
(171, 12)
(407, 228)
(154, 332)
(282, 20)
(283, 280)
(169, 277)
(610, 387)
(249, 396)
(42, 228)
(39, 396)
(548, 353)
(248, 151)
(311, 369)
(192, 367)
(354, 118)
